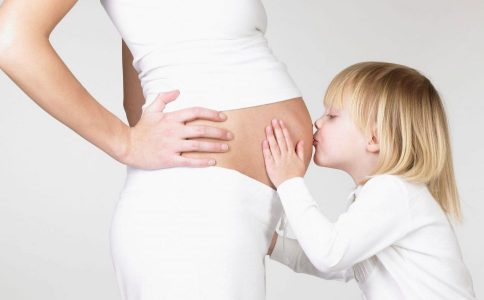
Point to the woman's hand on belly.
(158, 139)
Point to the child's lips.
(315, 141)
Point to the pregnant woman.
(178, 231)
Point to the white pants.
(192, 233)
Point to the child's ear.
(374, 144)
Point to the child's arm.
(377, 219)
(299, 262)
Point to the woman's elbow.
(15, 48)
(5, 46)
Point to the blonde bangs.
(354, 91)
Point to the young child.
(385, 125)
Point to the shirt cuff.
(292, 246)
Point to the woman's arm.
(299, 262)
(28, 58)
(133, 92)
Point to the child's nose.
(316, 124)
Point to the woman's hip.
(190, 194)
(204, 229)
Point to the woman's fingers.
(192, 162)
(158, 105)
(193, 113)
(193, 131)
(200, 146)
(281, 141)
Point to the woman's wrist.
(120, 143)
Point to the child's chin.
(317, 162)
(320, 163)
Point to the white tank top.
(214, 52)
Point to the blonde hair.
(411, 125)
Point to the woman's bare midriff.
(248, 126)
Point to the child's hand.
(281, 160)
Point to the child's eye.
(330, 116)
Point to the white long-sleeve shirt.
(394, 240)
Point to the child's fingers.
(281, 141)
(266, 152)
(276, 152)
(300, 150)
(290, 144)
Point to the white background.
(58, 191)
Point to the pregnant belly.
(248, 126)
